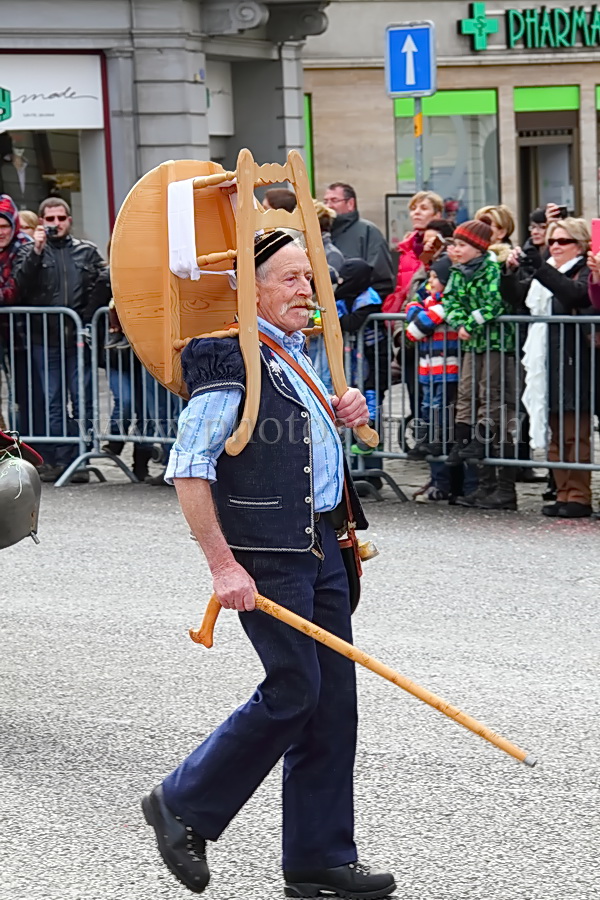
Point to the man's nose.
(305, 287)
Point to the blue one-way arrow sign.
(410, 59)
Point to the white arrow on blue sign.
(410, 59)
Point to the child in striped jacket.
(438, 363)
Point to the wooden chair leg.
(334, 342)
(246, 291)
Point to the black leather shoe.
(574, 510)
(472, 500)
(352, 881)
(183, 851)
(553, 510)
(499, 500)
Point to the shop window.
(460, 143)
(39, 164)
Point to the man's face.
(6, 233)
(284, 298)
(57, 216)
(335, 199)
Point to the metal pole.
(418, 131)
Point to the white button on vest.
(308, 530)
(304, 415)
(307, 499)
(307, 469)
(307, 440)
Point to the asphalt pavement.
(102, 693)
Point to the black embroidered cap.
(265, 245)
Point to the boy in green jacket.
(486, 390)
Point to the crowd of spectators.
(483, 390)
(513, 387)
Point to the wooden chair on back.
(161, 312)
(252, 218)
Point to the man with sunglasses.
(57, 269)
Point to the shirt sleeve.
(204, 426)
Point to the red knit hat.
(477, 233)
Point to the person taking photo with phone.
(57, 269)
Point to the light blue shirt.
(210, 418)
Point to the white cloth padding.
(535, 359)
(182, 236)
(183, 259)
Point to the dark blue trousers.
(304, 710)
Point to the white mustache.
(308, 304)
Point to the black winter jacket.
(569, 349)
(68, 272)
(356, 237)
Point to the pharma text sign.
(48, 91)
(533, 28)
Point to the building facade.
(514, 120)
(94, 94)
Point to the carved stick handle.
(204, 634)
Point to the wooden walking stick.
(204, 635)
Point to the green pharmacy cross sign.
(5, 105)
(535, 28)
(479, 26)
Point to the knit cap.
(9, 211)
(441, 267)
(477, 233)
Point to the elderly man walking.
(266, 521)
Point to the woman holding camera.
(557, 359)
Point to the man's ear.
(353, 202)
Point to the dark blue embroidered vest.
(264, 496)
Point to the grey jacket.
(357, 237)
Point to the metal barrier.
(47, 380)
(57, 385)
(422, 404)
(66, 393)
(129, 405)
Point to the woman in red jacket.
(423, 207)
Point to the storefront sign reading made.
(535, 28)
(49, 91)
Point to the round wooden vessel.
(155, 307)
